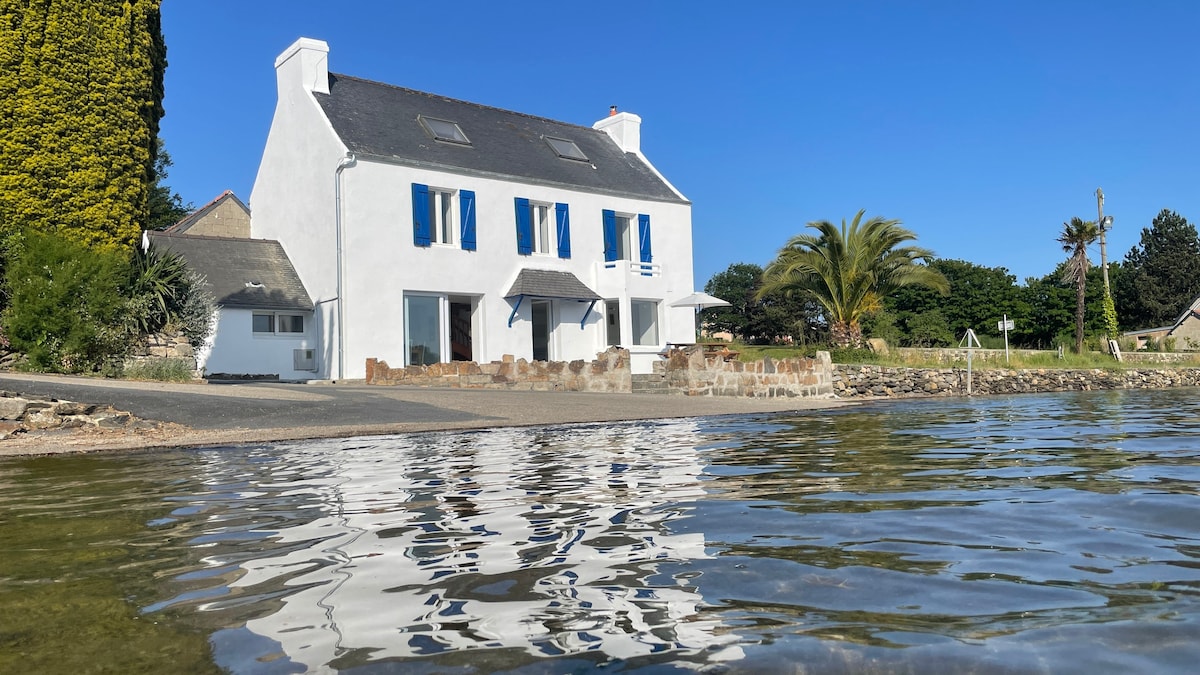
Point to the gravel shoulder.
(213, 415)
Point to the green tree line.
(1155, 282)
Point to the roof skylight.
(443, 130)
(566, 149)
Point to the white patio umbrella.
(700, 301)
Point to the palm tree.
(848, 271)
(1075, 238)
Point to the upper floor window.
(540, 225)
(444, 130)
(539, 215)
(443, 216)
(622, 239)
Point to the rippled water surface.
(1026, 534)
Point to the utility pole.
(1103, 225)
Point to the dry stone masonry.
(609, 372)
(862, 381)
(19, 413)
(690, 371)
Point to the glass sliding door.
(422, 329)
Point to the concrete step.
(651, 384)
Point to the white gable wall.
(293, 196)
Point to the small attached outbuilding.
(264, 325)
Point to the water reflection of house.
(546, 546)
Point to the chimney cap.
(612, 110)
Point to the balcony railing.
(635, 268)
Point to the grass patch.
(1017, 361)
(160, 370)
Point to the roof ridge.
(211, 237)
(451, 99)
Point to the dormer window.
(443, 130)
(566, 149)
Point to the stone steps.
(652, 383)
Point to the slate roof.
(241, 273)
(184, 224)
(380, 120)
(550, 284)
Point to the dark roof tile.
(381, 120)
(241, 273)
(550, 284)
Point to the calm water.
(1026, 534)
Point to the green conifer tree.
(81, 85)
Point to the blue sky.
(983, 126)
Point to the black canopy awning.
(550, 284)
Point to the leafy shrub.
(930, 329)
(66, 304)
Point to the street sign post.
(1005, 325)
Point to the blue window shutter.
(420, 199)
(610, 235)
(524, 227)
(644, 237)
(562, 217)
(466, 210)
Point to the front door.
(460, 331)
(541, 330)
(612, 319)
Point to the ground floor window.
(644, 321)
(276, 323)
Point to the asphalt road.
(240, 406)
(221, 414)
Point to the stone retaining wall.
(955, 356)
(690, 372)
(609, 372)
(20, 413)
(163, 346)
(858, 381)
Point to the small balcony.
(619, 277)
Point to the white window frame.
(443, 216)
(443, 338)
(625, 236)
(276, 324)
(543, 228)
(636, 337)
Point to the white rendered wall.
(293, 201)
(382, 263)
(293, 196)
(235, 349)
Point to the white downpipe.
(345, 162)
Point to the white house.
(429, 229)
(264, 320)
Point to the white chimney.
(624, 128)
(304, 64)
